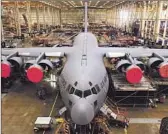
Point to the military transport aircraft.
(84, 81)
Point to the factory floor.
(21, 107)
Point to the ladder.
(112, 110)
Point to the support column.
(60, 18)
(37, 16)
(147, 20)
(107, 17)
(29, 15)
(166, 22)
(129, 16)
(2, 32)
(54, 11)
(55, 15)
(18, 28)
(158, 14)
(52, 15)
(143, 12)
(49, 15)
(44, 12)
(115, 16)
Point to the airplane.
(84, 81)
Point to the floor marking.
(25, 114)
(145, 120)
(53, 105)
(52, 108)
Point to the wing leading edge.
(134, 52)
(35, 52)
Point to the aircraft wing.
(36, 51)
(112, 52)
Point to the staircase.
(112, 110)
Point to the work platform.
(126, 94)
(161, 85)
(120, 84)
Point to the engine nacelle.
(35, 72)
(57, 63)
(11, 65)
(133, 72)
(140, 64)
(159, 65)
(122, 65)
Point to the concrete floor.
(21, 107)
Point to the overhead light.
(106, 3)
(81, 3)
(5, 1)
(73, 2)
(117, 4)
(90, 3)
(97, 3)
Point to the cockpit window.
(98, 88)
(95, 103)
(68, 88)
(76, 83)
(78, 93)
(94, 90)
(71, 90)
(90, 83)
(87, 93)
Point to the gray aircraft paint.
(92, 69)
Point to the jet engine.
(11, 65)
(160, 65)
(35, 70)
(133, 71)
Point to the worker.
(113, 34)
(3, 44)
(135, 28)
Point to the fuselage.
(84, 81)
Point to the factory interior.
(37, 38)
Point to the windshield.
(78, 93)
(71, 91)
(87, 93)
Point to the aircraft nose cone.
(82, 112)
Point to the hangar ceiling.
(65, 4)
